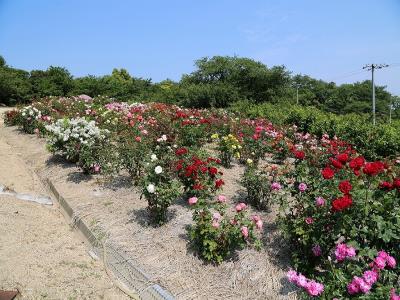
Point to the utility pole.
(390, 113)
(372, 68)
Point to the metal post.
(390, 113)
(373, 94)
(372, 67)
(297, 94)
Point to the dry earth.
(40, 255)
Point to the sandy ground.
(114, 210)
(40, 255)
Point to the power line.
(345, 75)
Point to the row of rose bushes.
(340, 213)
(374, 142)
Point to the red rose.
(342, 203)
(373, 168)
(181, 151)
(197, 187)
(396, 183)
(357, 163)
(328, 173)
(385, 185)
(213, 170)
(343, 157)
(337, 164)
(299, 154)
(219, 183)
(345, 187)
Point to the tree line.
(219, 81)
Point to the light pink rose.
(192, 200)
(245, 231)
(221, 199)
(241, 206)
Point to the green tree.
(247, 78)
(55, 81)
(14, 86)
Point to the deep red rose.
(373, 168)
(396, 183)
(357, 163)
(213, 170)
(181, 151)
(299, 154)
(219, 183)
(342, 203)
(345, 187)
(385, 185)
(197, 187)
(337, 164)
(343, 157)
(328, 173)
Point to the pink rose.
(391, 262)
(217, 216)
(316, 250)
(221, 199)
(192, 200)
(370, 277)
(302, 281)
(383, 254)
(138, 139)
(292, 276)
(314, 288)
(96, 168)
(275, 186)
(320, 201)
(309, 220)
(240, 206)
(380, 263)
(352, 288)
(302, 187)
(215, 224)
(245, 231)
(259, 224)
(393, 295)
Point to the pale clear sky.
(329, 40)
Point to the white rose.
(153, 157)
(151, 188)
(164, 137)
(158, 170)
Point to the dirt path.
(39, 253)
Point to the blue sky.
(329, 40)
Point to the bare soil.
(40, 255)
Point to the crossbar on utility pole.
(372, 68)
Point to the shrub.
(69, 136)
(262, 186)
(214, 235)
(159, 188)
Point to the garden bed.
(114, 211)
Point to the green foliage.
(215, 236)
(258, 183)
(55, 81)
(372, 141)
(14, 86)
(246, 78)
(159, 186)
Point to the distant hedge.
(374, 142)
